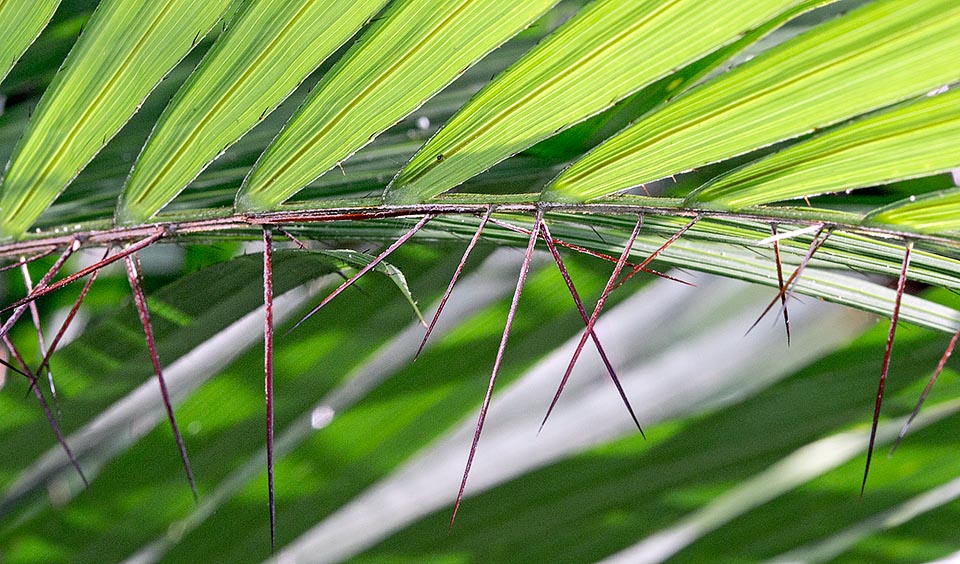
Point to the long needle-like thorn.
(39, 292)
(35, 315)
(926, 391)
(901, 284)
(28, 260)
(453, 280)
(69, 319)
(14, 368)
(18, 310)
(593, 317)
(367, 268)
(133, 275)
(783, 295)
(786, 291)
(268, 372)
(642, 266)
(46, 408)
(291, 236)
(589, 252)
(524, 269)
(583, 314)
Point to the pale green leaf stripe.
(608, 51)
(20, 23)
(269, 49)
(936, 212)
(128, 46)
(914, 140)
(831, 73)
(418, 47)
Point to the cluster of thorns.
(538, 231)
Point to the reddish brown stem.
(583, 314)
(367, 268)
(594, 316)
(453, 280)
(140, 300)
(901, 285)
(521, 279)
(268, 373)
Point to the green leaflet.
(269, 49)
(127, 47)
(359, 259)
(917, 139)
(936, 212)
(608, 51)
(20, 24)
(418, 48)
(831, 73)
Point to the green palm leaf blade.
(126, 49)
(414, 51)
(622, 47)
(269, 49)
(936, 212)
(829, 74)
(20, 24)
(917, 139)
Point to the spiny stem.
(583, 314)
(51, 420)
(521, 279)
(926, 390)
(268, 372)
(73, 313)
(370, 266)
(35, 314)
(901, 285)
(786, 290)
(133, 275)
(783, 296)
(363, 210)
(38, 291)
(673, 239)
(596, 314)
(453, 280)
